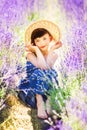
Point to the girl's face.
(43, 42)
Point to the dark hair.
(39, 32)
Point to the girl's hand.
(56, 45)
(31, 48)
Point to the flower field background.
(70, 99)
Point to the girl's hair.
(39, 32)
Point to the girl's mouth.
(42, 46)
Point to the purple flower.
(73, 8)
(73, 60)
(78, 3)
(74, 103)
(51, 128)
(65, 127)
(84, 116)
(8, 38)
(84, 87)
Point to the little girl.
(40, 61)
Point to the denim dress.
(38, 80)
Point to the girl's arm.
(35, 57)
(52, 54)
(51, 59)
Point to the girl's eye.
(44, 38)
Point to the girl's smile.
(42, 46)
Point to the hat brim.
(52, 28)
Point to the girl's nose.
(43, 42)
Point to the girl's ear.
(51, 38)
(33, 44)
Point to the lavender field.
(71, 18)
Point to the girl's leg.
(48, 106)
(41, 113)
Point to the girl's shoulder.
(30, 55)
(32, 58)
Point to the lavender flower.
(84, 116)
(84, 86)
(73, 8)
(66, 127)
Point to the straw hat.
(48, 25)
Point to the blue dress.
(38, 80)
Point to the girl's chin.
(44, 50)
